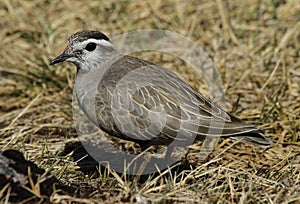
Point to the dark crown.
(87, 34)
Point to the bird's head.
(87, 50)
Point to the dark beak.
(60, 58)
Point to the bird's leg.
(207, 147)
(169, 151)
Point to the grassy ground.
(254, 44)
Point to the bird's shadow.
(88, 165)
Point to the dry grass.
(254, 44)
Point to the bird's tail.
(256, 138)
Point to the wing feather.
(142, 101)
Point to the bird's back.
(141, 101)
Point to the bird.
(143, 102)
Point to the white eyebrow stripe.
(101, 42)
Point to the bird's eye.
(90, 46)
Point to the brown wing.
(143, 102)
